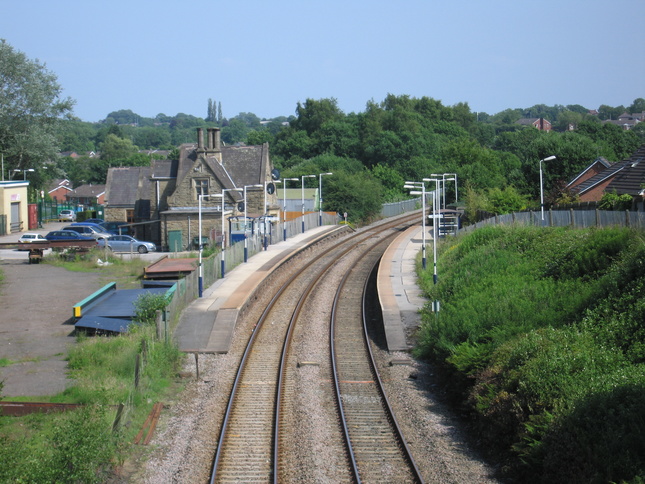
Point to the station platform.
(400, 296)
(207, 324)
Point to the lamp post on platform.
(223, 263)
(284, 206)
(246, 249)
(320, 199)
(199, 235)
(303, 199)
(414, 186)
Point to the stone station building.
(164, 197)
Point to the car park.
(90, 230)
(66, 235)
(67, 216)
(125, 243)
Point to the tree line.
(371, 153)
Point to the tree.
(114, 149)
(638, 106)
(313, 114)
(358, 194)
(31, 109)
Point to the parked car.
(113, 228)
(67, 216)
(89, 230)
(29, 237)
(99, 221)
(125, 243)
(66, 235)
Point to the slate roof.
(610, 171)
(128, 184)
(87, 191)
(631, 178)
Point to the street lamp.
(303, 199)
(413, 186)
(199, 235)
(246, 250)
(435, 197)
(548, 158)
(284, 206)
(223, 264)
(320, 200)
(24, 172)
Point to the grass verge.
(542, 333)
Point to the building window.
(201, 187)
(129, 215)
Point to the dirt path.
(35, 324)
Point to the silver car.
(125, 243)
(67, 216)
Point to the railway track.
(256, 435)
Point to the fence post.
(550, 218)
(627, 221)
(597, 218)
(572, 217)
(158, 324)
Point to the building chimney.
(200, 139)
(216, 140)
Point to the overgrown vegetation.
(134, 369)
(542, 331)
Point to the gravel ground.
(183, 446)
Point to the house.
(165, 197)
(87, 196)
(626, 121)
(631, 180)
(591, 182)
(14, 213)
(623, 177)
(538, 123)
(58, 189)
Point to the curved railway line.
(265, 410)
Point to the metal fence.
(397, 208)
(566, 218)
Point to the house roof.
(127, 184)
(631, 179)
(599, 178)
(600, 160)
(87, 191)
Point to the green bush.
(542, 332)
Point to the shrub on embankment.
(542, 332)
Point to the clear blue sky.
(168, 56)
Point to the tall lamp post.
(320, 199)
(284, 206)
(266, 214)
(201, 245)
(246, 248)
(435, 232)
(414, 187)
(223, 263)
(548, 158)
(303, 199)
